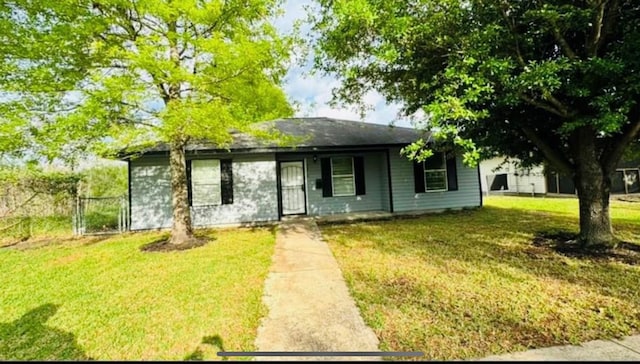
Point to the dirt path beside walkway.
(310, 308)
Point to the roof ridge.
(332, 119)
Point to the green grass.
(102, 220)
(470, 284)
(103, 298)
(13, 229)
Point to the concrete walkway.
(310, 308)
(627, 349)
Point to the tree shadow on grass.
(492, 239)
(163, 245)
(29, 338)
(215, 341)
(567, 244)
(486, 249)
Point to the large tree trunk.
(593, 183)
(181, 230)
(595, 221)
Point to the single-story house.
(340, 166)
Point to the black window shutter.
(358, 165)
(327, 189)
(418, 176)
(452, 173)
(189, 192)
(226, 179)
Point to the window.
(205, 182)
(342, 177)
(345, 174)
(435, 173)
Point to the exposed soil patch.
(34, 243)
(45, 241)
(163, 245)
(12, 243)
(566, 243)
(627, 198)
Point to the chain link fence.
(101, 215)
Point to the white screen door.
(292, 187)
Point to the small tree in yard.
(542, 80)
(142, 71)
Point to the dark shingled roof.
(326, 132)
(316, 133)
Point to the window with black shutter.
(226, 180)
(436, 173)
(209, 182)
(342, 176)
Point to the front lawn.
(103, 298)
(470, 284)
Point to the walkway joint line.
(625, 346)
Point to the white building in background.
(496, 177)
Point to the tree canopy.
(82, 75)
(541, 80)
(140, 70)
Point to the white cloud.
(313, 92)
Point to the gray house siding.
(372, 200)
(405, 198)
(255, 193)
(150, 186)
(254, 188)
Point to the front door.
(292, 188)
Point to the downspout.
(480, 185)
(389, 178)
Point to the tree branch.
(225, 14)
(164, 94)
(126, 120)
(556, 158)
(232, 76)
(559, 105)
(542, 106)
(512, 29)
(128, 25)
(8, 213)
(596, 32)
(138, 107)
(610, 159)
(608, 24)
(564, 45)
(152, 25)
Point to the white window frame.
(352, 175)
(217, 183)
(446, 179)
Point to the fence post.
(82, 217)
(120, 215)
(76, 217)
(127, 208)
(124, 213)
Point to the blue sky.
(313, 92)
